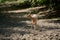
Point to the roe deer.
(33, 18)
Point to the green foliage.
(3, 1)
(37, 2)
(49, 3)
(21, 1)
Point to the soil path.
(48, 28)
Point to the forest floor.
(47, 29)
(15, 29)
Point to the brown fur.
(33, 20)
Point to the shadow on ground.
(12, 22)
(7, 26)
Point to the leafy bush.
(2, 1)
(31, 3)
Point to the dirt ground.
(47, 29)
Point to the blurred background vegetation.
(21, 4)
(34, 2)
